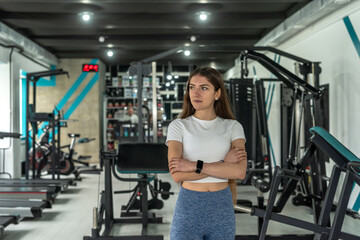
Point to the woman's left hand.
(181, 165)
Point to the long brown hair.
(222, 105)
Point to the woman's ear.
(218, 94)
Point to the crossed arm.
(234, 166)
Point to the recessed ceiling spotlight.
(193, 38)
(187, 52)
(101, 39)
(110, 53)
(203, 15)
(86, 16)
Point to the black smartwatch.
(199, 166)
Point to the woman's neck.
(205, 115)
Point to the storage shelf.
(115, 86)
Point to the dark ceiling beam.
(58, 31)
(128, 57)
(154, 1)
(143, 37)
(137, 45)
(141, 7)
(147, 1)
(179, 16)
(151, 24)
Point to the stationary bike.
(43, 156)
(69, 156)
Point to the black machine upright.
(33, 118)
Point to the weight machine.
(33, 117)
(345, 161)
(311, 106)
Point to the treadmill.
(23, 208)
(63, 183)
(52, 187)
(7, 220)
(42, 193)
(20, 190)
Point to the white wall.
(10, 117)
(5, 104)
(328, 42)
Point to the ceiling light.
(341, 1)
(168, 77)
(203, 15)
(176, 76)
(86, 16)
(101, 39)
(272, 44)
(193, 38)
(110, 53)
(298, 26)
(187, 52)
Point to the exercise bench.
(142, 159)
(345, 161)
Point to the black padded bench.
(142, 159)
(345, 161)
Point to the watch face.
(199, 166)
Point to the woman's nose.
(197, 90)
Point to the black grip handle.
(260, 184)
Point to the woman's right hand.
(236, 155)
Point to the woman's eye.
(192, 87)
(204, 88)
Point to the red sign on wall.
(90, 68)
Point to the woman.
(206, 147)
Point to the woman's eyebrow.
(205, 84)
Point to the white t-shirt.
(206, 140)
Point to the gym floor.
(70, 217)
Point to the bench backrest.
(142, 158)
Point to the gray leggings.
(203, 215)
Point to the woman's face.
(202, 93)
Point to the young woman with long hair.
(206, 153)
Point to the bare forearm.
(187, 176)
(225, 170)
(186, 170)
